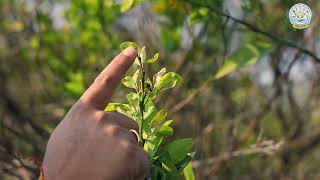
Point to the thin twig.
(257, 30)
(141, 103)
(268, 147)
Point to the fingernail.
(130, 51)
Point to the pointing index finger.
(99, 93)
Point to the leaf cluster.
(168, 159)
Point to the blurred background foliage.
(250, 98)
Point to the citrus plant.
(168, 160)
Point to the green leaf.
(131, 44)
(127, 44)
(178, 149)
(154, 59)
(152, 145)
(115, 106)
(167, 81)
(167, 123)
(157, 120)
(168, 163)
(188, 172)
(125, 109)
(154, 172)
(133, 99)
(142, 54)
(150, 112)
(199, 15)
(136, 76)
(246, 55)
(129, 82)
(126, 5)
(165, 131)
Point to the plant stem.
(141, 103)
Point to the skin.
(92, 144)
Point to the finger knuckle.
(105, 80)
(112, 130)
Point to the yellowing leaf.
(157, 120)
(128, 44)
(188, 172)
(226, 68)
(154, 59)
(129, 82)
(117, 106)
(126, 5)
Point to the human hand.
(92, 144)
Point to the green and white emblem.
(300, 16)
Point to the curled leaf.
(158, 75)
(142, 54)
(124, 45)
(154, 59)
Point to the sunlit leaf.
(167, 81)
(167, 123)
(188, 172)
(136, 76)
(117, 106)
(125, 45)
(142, 54)
(133, 99)
(125, 109)
(126, 5)
(152, 145)
(165, 131)
(157, 120)
(150, 113)
(154, 59)
(129, 82)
